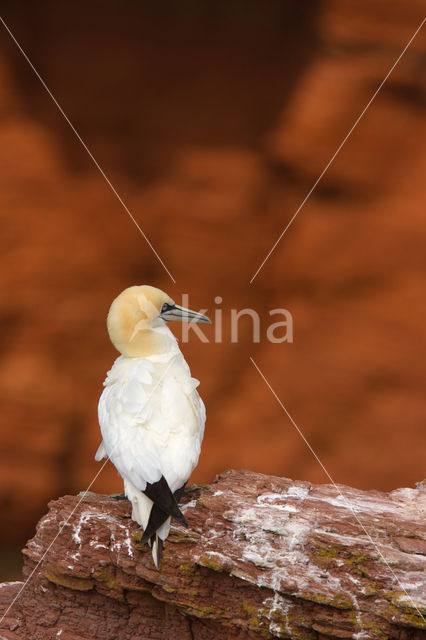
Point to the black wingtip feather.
(159, 515)
(162, 496)
(183, 521)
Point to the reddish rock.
(213, 153)
(263, 557)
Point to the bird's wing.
(147, 420)
(101, 452)
(190, 385)
(124, 414)
(135, 419)
(183, 415)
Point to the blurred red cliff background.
(213, 121)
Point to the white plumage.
(150, 414)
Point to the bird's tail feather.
(157, 518)
(153, 519)
(162, 496)
(156, 539)
(157, 550)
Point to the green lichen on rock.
(249, 609)
(106, 577)
(186, 573)
(259, 626)
(289, 623)
(414, 619)
(200, 611)
(168, 589)
(328, 553)
(174, 533)
(356, 562)
(109, 579)
(187, 569)
(353, 559)
(210, 563)
(256, 620)
(137, 536)
(179, 537)
(372, 589)
(402, 609)
(374, 627)
(356, 558)
(342, 601)
(70, 582)
(339, 600)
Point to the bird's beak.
(184, 315)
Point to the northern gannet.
(150, 414)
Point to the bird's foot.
(117, 496)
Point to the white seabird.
(150, 414)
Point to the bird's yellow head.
(136, 313)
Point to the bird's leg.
(117, 496)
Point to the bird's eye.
(165, 307)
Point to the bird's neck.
(147, 342)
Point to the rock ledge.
(264, 557)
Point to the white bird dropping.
(150, 414)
